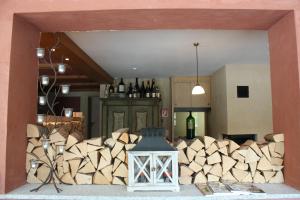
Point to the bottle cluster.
(145, 89)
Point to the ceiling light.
(67, 59)
(197, 89)
(53, 49)
(134, 68)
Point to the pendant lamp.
(197, 89)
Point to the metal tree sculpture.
(44, 100)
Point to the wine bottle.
(111, 89)
(136, 89)
(190, 127)
(142, 90)
(130, 92)
(157, 92)
(148, 93)
(106, 92)
(121, 86)
(153, 92)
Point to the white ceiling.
(165, 53)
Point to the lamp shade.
(198, 89)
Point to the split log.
(265, 151)
(279, 148)
(237, 156)
(196, 145)
(35, 131)
(133, 138)
(190, 154)
(129, 146)
(100, 179)
(279, 137)
(253, 166)
(214, 158)
(212, 178)
(117, 148)
(121, 171)
(272, 150)
(268, 175)
(208, 141)
(185, 171)
(276, 161)
(182, 157)
(248, 178)
(58, 135)
(213, 148)
(95, 141)
(264, 164)
(200, 178)
(43, 172)
(91, 148)
(87, 168)
(73, 139)
(67, 178)
(206, 169)
(94, 157)
(107, 172)
(224, 150)
(278, 178)
(105, 152)
(222, 143)
(258, 178)
(103, 163)
(116, 164)
(200, 160)
(30, 147)
(82, 146)
(84, 179)
(124, 138)
(116, 134)
(122, 156)
(201, 152)
(227, 163)
(31, 178)
(242, 166)
(117, 181)
(35, 142)
(76, 151)
(185, 180)
(195, 166)
(239, 174)
(216, 170)
(74, 166)
(70, 156)
(110, 142)
(233, 146)
(228, 177)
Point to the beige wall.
(233, 115)
(218, 115)
(253, 114)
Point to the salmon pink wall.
(285, 92)
(19, 36)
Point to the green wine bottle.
(190, 127)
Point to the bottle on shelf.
(148, 92)
(190, 127)
(121, 86)
(106, 91)
(142, 90)
(153, 88)
(136, 89)
(111, 89)
(115, 86)
(130, 91)
(157, 92)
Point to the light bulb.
(40, 118)
(61, 68)
(68, 112)
(65, 88)
(40, 52)
(198, 90)
(42, 100)
(45, 80)
(45, 143)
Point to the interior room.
(153, 100)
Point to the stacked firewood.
(204, 160)
(83, 161)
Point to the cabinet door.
(182, 94)
(141, 117)
(117, 118)
(202, 100)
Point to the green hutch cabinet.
(128, 113)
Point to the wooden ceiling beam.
(79, 61)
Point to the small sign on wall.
(164, 112)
